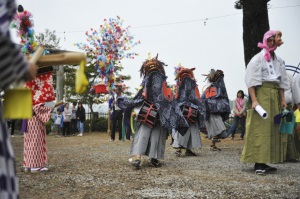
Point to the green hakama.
(263, 142)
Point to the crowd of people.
(159, 112)
(67, 121)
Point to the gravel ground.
(93, 167)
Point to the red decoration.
(100, 89)
(42, 88)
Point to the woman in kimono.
(266, 80)
(13, 67)
(35, 149)
(157, 111)
(188, 99)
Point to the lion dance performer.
(216, 107)
(158, 114)
(188, 99)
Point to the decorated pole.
(107, 47)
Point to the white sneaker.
(38, 170)
(80, 134)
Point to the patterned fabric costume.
(216, 107)
(35, 151)
(42, 88)
(12, 68)
(188, 98)
(150, 140)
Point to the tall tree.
(50, 41)
(255, 24)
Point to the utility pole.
(60, 83)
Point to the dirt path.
(92, 167)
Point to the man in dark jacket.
(117, 115)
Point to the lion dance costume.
(157, 111)
(216, 107)
(188, 99)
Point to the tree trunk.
(255, 24)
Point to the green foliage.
(98, 125)
(48, 39)
(49, 126)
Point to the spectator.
(11, 126)
(117, 115)
(240, 113)
(58, 122)
(67, 119)
(73, 125)
(80, 115)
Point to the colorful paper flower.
(108, 46)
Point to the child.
(58, 122)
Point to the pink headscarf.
(265, 46)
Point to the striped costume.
(12, 68)
(35, 151)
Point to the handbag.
(287, 123)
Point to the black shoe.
(269, 168)
(155, 162)
(260, 168)
(178, 152)
(137, 163)
(189, 152)
(260, 172)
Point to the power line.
(284, 7)
(190, 21)
(183, 22)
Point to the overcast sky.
(175, 30)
